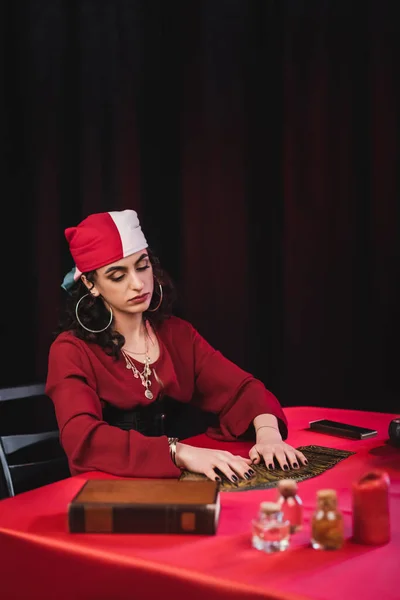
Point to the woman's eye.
(142, 268)
(117, 278)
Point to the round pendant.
(148, 395)
(128, 366)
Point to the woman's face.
(126, 285)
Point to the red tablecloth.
(41, 560)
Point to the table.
(40, 559)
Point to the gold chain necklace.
(143, 375)
(140, 353)
(135, 353)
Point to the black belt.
(164, 416)
(148, 420)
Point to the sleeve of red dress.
(90, 443)
(235, 395)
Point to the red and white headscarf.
(101, 239)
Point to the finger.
(240, 458)
(292, 459)
(303, 460)
(282, 460)
(241, 468)
(224, 455)
(269, 459)
(211, 474)
(300, 458)
(254, 456)
(225, 469)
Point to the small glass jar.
(290, 503)
(327, 527)
(270, 531)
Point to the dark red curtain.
(259, 143)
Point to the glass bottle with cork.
(290, 503)
(327, 527)
(270, 531)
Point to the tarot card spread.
(320, 459)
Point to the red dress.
(81, 375)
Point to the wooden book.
(145, 506)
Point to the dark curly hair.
(95, 315)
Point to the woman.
(119, 351)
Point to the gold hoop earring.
(84, 326)
(160, 301)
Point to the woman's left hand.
(270, 446)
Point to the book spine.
(146, 519)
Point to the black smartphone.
(342, 429)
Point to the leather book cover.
(145, 506)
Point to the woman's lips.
(139, 299)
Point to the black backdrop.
(259, 142)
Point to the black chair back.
(30, 451)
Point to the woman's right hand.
(205, 460)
